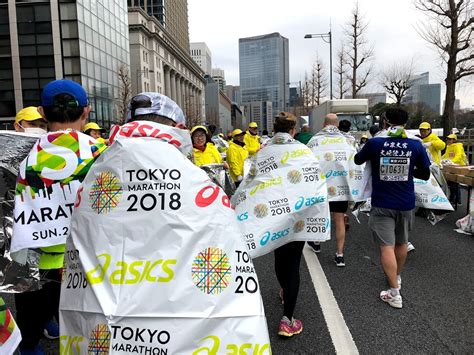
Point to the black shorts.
(339, 206)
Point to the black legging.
(287, 269)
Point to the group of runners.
(395, 157)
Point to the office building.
(218, 107)
(424, 92)
(202, 55)
(85, 41)
(233, 93)
(172, 15)
(218, 76)
(260, 112)
(264, 76)
(162, 64)
(374, 98)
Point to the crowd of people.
(63, 117)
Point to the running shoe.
(288, 329)
(315, 246)
(410, 247)
(393, 301)
(51, 331)
(339, 260)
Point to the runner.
(395, 160)
(46, 189)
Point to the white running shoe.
(393, 301)
(410, 247)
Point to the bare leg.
(389, 264)
(401, 255)
(340, 226)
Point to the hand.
(226, 166)
(427, 144)
(239, 178)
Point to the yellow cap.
(237, 132)
(29, 113)
(92, 125)
(199, 127)
(453, 136)
(221, 135)
(425, 125)
(365, 136)
(253, 125)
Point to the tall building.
(161, 63)
(260, 112)
(202, 55)
(218, 107)
(424, 92)
(374, 98)
(218, 75)
(264, 76)
(172, 15)
(233, 93)
(45, 40)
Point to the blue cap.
(64, 86)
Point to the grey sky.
(220, 23)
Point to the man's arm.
(361, 157)
(438, 144)
(422, 165)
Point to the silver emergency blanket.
(155, 250)
(335, 151)
(283, 199)
(14, 277)
(220, 176)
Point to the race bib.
(394, 169)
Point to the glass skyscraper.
(264, 76)
(84, 40)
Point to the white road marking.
(340, 334)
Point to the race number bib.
(394, 169)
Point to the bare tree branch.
(397, 79)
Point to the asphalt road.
(437, 289)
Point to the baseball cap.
(64, 86)
(453, 136)
(199, 127)
(153, 103)
(92, 125)
(286, 116)
(365, 136)
(29, 113)
(237, 132)
(424, 125)
(253, 125)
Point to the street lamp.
(325, 37)
(139, 74)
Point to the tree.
(397, 79)
(359, 53)
(450, 28)
(125, 91)
(319, 82)
(341, 71)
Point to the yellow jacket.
(437, 145)
(252, 143)
(210, 155)
(455, 153)
(236, 156)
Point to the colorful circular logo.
(260, 210)
(211, 271)
(299, 226)
(328, 156)
(294, 176)
(99, 340)
(105, 193)
(332, 191)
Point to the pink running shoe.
(394, 301)
(288, 329)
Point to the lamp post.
(326, 37)
(139, 74)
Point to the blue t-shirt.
(393, 162)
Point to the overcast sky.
(391, 30)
